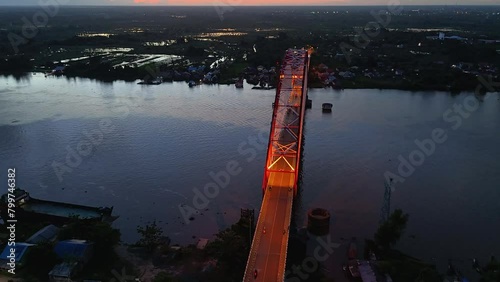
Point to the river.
(145, 149)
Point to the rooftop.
(60, 210)
(73, 249)
(20, 248)
(64, 269)
(48, 233)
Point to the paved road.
(269, 248)
(267, 259)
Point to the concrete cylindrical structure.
(318, 221)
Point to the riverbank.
(356, 83)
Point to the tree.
(391, 230)
(231, 248)
(40, 259)
(491, 271)
(151, 235)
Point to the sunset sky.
(257, 2)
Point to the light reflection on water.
(168, 138)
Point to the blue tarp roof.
(20, 251)
(72, 249)
(63, 269)
(48, 233)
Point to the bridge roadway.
(267, 256)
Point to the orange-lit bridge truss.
(267, 258)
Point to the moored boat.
(156, 81)
(36, 210)
(327, 107)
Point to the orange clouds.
(147, 1)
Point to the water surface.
(161, 142)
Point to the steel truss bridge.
(267, 258)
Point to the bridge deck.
(269, 247)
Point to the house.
(365, 271)
(74, 250)
(347, 74)
(6, 258)
(442, 36)
(47, 234)
(58, 70)
(63, 272)
(456, 37)
(75, 254)
(322, 68)
(198, 69)
(368, 74)
(339, 56)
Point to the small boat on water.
(192, 83)
(309, 103)
(239, 83)
(269, 87)
(327, 107)
(30, 209)
(151, 81)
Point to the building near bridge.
(22, 249)
(75, 255)
(47, 234)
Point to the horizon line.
(270, 5)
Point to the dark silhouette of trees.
(389, 233)
(151, 236)
(491, 271)
(40, 259)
